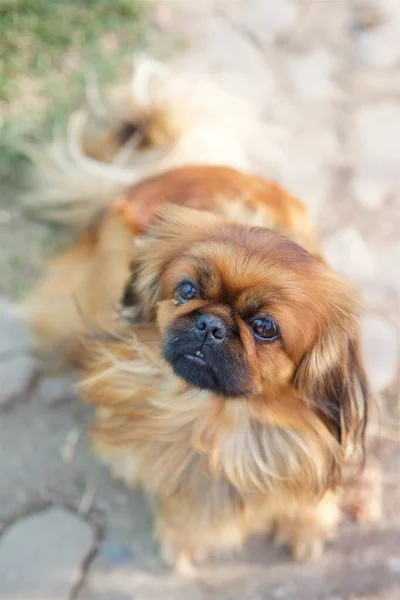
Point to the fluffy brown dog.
(238, 409)
(235, 395)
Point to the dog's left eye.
(187, 290)
(264, 328)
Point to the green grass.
(47, 49)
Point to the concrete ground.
(327, 73)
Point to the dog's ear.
(174, 230)
(331, 376)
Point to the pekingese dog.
(240, 398)
(231, 388)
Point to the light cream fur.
(183, 120)
(197, 458)
(216, 469)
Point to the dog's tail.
(73, 177)
(157, 121)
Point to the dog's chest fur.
(153, 431)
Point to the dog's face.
(248, 314)
(232, 311)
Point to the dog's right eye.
(187, 290)
(264, 329)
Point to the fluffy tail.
(157, 121)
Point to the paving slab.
(42, 555)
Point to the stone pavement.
(327, 74)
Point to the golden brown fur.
(221, 468)
(218, 466)
(73, 297)
(201, 456)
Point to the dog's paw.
(178, 559)
(304, 548)
(308, 550)
(307, 529)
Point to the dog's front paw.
(182, 546)
(176, 550)
(177, 558)
(304, 548)
(306, 529)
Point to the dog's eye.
(264, 328)
(187, 290)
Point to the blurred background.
(326, 74)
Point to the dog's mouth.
(206, 368)
(197, 358)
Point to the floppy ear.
(331, 376)
(175, 229)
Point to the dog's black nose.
(210, 329)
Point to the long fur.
(157, 121)
(166, 425)
(83, 285)
(216, 468)
(221, 468)
(218, 472)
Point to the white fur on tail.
(208, 125)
